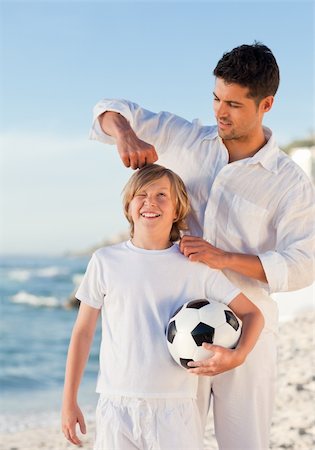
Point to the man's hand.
(197, 249)
(222, 360)
(133, 152)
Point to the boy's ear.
(127, 214)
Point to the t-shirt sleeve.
(92, 287)
(219, 288)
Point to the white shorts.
(127, 423)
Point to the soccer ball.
(201, 321)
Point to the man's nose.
(221, 109)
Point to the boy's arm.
(226, 359)
(79, 349)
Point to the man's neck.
(240, 149)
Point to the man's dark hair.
(251, 66)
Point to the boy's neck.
(149, 243)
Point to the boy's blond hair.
(147, 175)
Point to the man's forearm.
(114, 124)
(133, 152)
(248, 265)
(197, 249)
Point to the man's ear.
(266, 103)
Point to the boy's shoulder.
(110, 249)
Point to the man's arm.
(133, 152)
(290, 265)
(197, 249)
(141, 134)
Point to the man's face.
(238, 116)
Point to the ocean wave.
(45, 272)
(34, 300)
(77, 278)
(50, 272)
(19, 275)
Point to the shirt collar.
(267, 156)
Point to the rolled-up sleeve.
(291, 266)
(276, 271)
(122, 107)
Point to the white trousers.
(243, 399)
(126, 423)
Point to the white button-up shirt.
(263, 205)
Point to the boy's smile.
(152, 211)
(149, 215)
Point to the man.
(253, 218)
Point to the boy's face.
(152, 209)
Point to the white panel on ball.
(213, 314)
(187, 319)
(185, 342)
(226, 336)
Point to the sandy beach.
(294, 419)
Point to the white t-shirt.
(138, 291)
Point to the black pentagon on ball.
(232, 320)
(184, 362)
(197, 304)
(171, 331)
(203, 333)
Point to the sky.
(61, 192)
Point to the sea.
(36, 325)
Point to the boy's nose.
(149, 201)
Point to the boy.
(146, 399)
